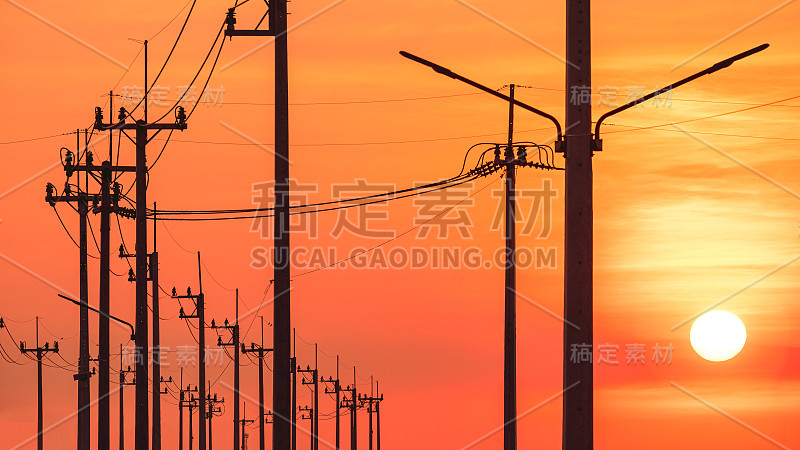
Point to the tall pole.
(40, 351)
(353, 418)
(84, 387)
(236, 376)
(40, 415)
(378, 416)
(142, 431)
(510, 292)
(104, 303)
(261, 390)
(142, 441)
(191, 433)
(281, 436)
(294, 390)
(201, 307)
(338, 389)
(180, 414)
(577, 428)
(316, 398)
(156, 341)
(369, 410)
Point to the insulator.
(181, 115)
(122, 114)
(174, 292)
(98, 117)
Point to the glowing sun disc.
(718, 335)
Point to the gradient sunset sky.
(686, 216)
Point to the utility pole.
(122, 384)
(244, 422)
(84, 386)
(510, 291)
(109, 204)
(82, 198)
(142, 127)
(310, 417)
(211, 409)
(577, 428)
(277, 12)
(372, 404)
(186, 400)
(234, 343)
(336, 390)
(378, 414)
(314, 411)
(260, 352)
(353, 405)
(156, 340)
(40, 352)
(294, 389)
(199, 314)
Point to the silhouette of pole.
(378, 415)
(180, 413)
(236, 363)
(202, 338)
(294, 389)
(156, 340)
(577, 430)
(337, 389)
(510, 293)
(315, 408)
(281, 435)
(84, 386)
(351, 403)
(234, 342)
(122, 384)
(40, 352)
(281, 401)
(261, 391)
(104, 304)
(260, 352)
(245, 421)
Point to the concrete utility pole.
(84, 387)
(294, 389)
(310, 418)
(578, 433)
(40, 352)
(314, 411)
(108, 204)
(260, 352)
(199, 314)
(244, 422)
(281, 402)
(378, 414)
(122, 384)
(372, 403)
(156, 340)
(142, 127)
(211, 409)
(234, 343)
(510, 292)
(352, 403)
(336, 390)
(82, 198)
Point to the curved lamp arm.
(718, 66)
(449, 73)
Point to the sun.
(718, 335)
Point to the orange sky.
(682, 220)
